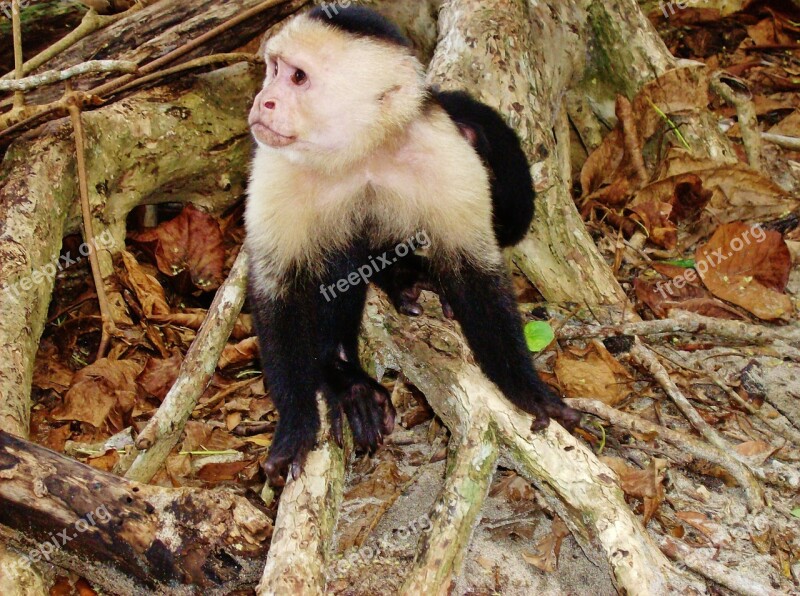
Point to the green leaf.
(796, 512)
(538, 335)
(687, 263)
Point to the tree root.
(583, 493)
(165, 428)
(754, 495)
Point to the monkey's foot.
(553, 407)
(406, 301)
(369, 410)
(292, 441)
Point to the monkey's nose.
(270, 105)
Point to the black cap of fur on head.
(361, 21)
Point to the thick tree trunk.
(124, 536)
(520, 57)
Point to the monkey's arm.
(484, 305)
(292, 372)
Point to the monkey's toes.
(287, 456)
(369, 410)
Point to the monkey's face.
(328, 94)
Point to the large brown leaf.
(102, 393)
(748, 266)
(191, 242)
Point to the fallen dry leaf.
(148, 291)
(240, 353)
(598, 375)
(544, 555)
(647, 484)
(716, 533)
(191, 242)
(102, 393)
(159, 375)
(663, 295)
(747, 266)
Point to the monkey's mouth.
(266, 135)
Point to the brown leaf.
(756, 451)
(148, 291)
(647, 484)
(102, 393)
(223, 471)
(748, 266)
(49, 372)
(159, 375)
(191, 241)
(663, 295)
(544, 555)
(599, 376)
(105, 462)
(240, 353)
(716, 533)
(655, 217)
(199, 436)
(513, 487)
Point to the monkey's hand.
(366, 403)
(294, 438)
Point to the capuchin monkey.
(354, 156)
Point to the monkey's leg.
(365, 402)
(484, 305)
(287, 338)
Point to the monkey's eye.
(299, 77)
(275, 69)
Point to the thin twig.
(792, 143)
(56, 76)
(682, 441)
(780, 426)
(686, 322)
(191, 64)
(646, 358)
(111, 86)
(90, 23)
(109, 327)
(704, 564)
(11, 123)
(16, 26)
(735, 93)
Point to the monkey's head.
(337, 86)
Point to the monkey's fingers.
(369, 410)
(287, 455)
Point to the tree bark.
(124, 536)
(520, 57)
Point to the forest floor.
(169, 273)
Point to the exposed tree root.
(700, 449)
(165, 428)
(583, 493)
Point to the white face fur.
(327, 93)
